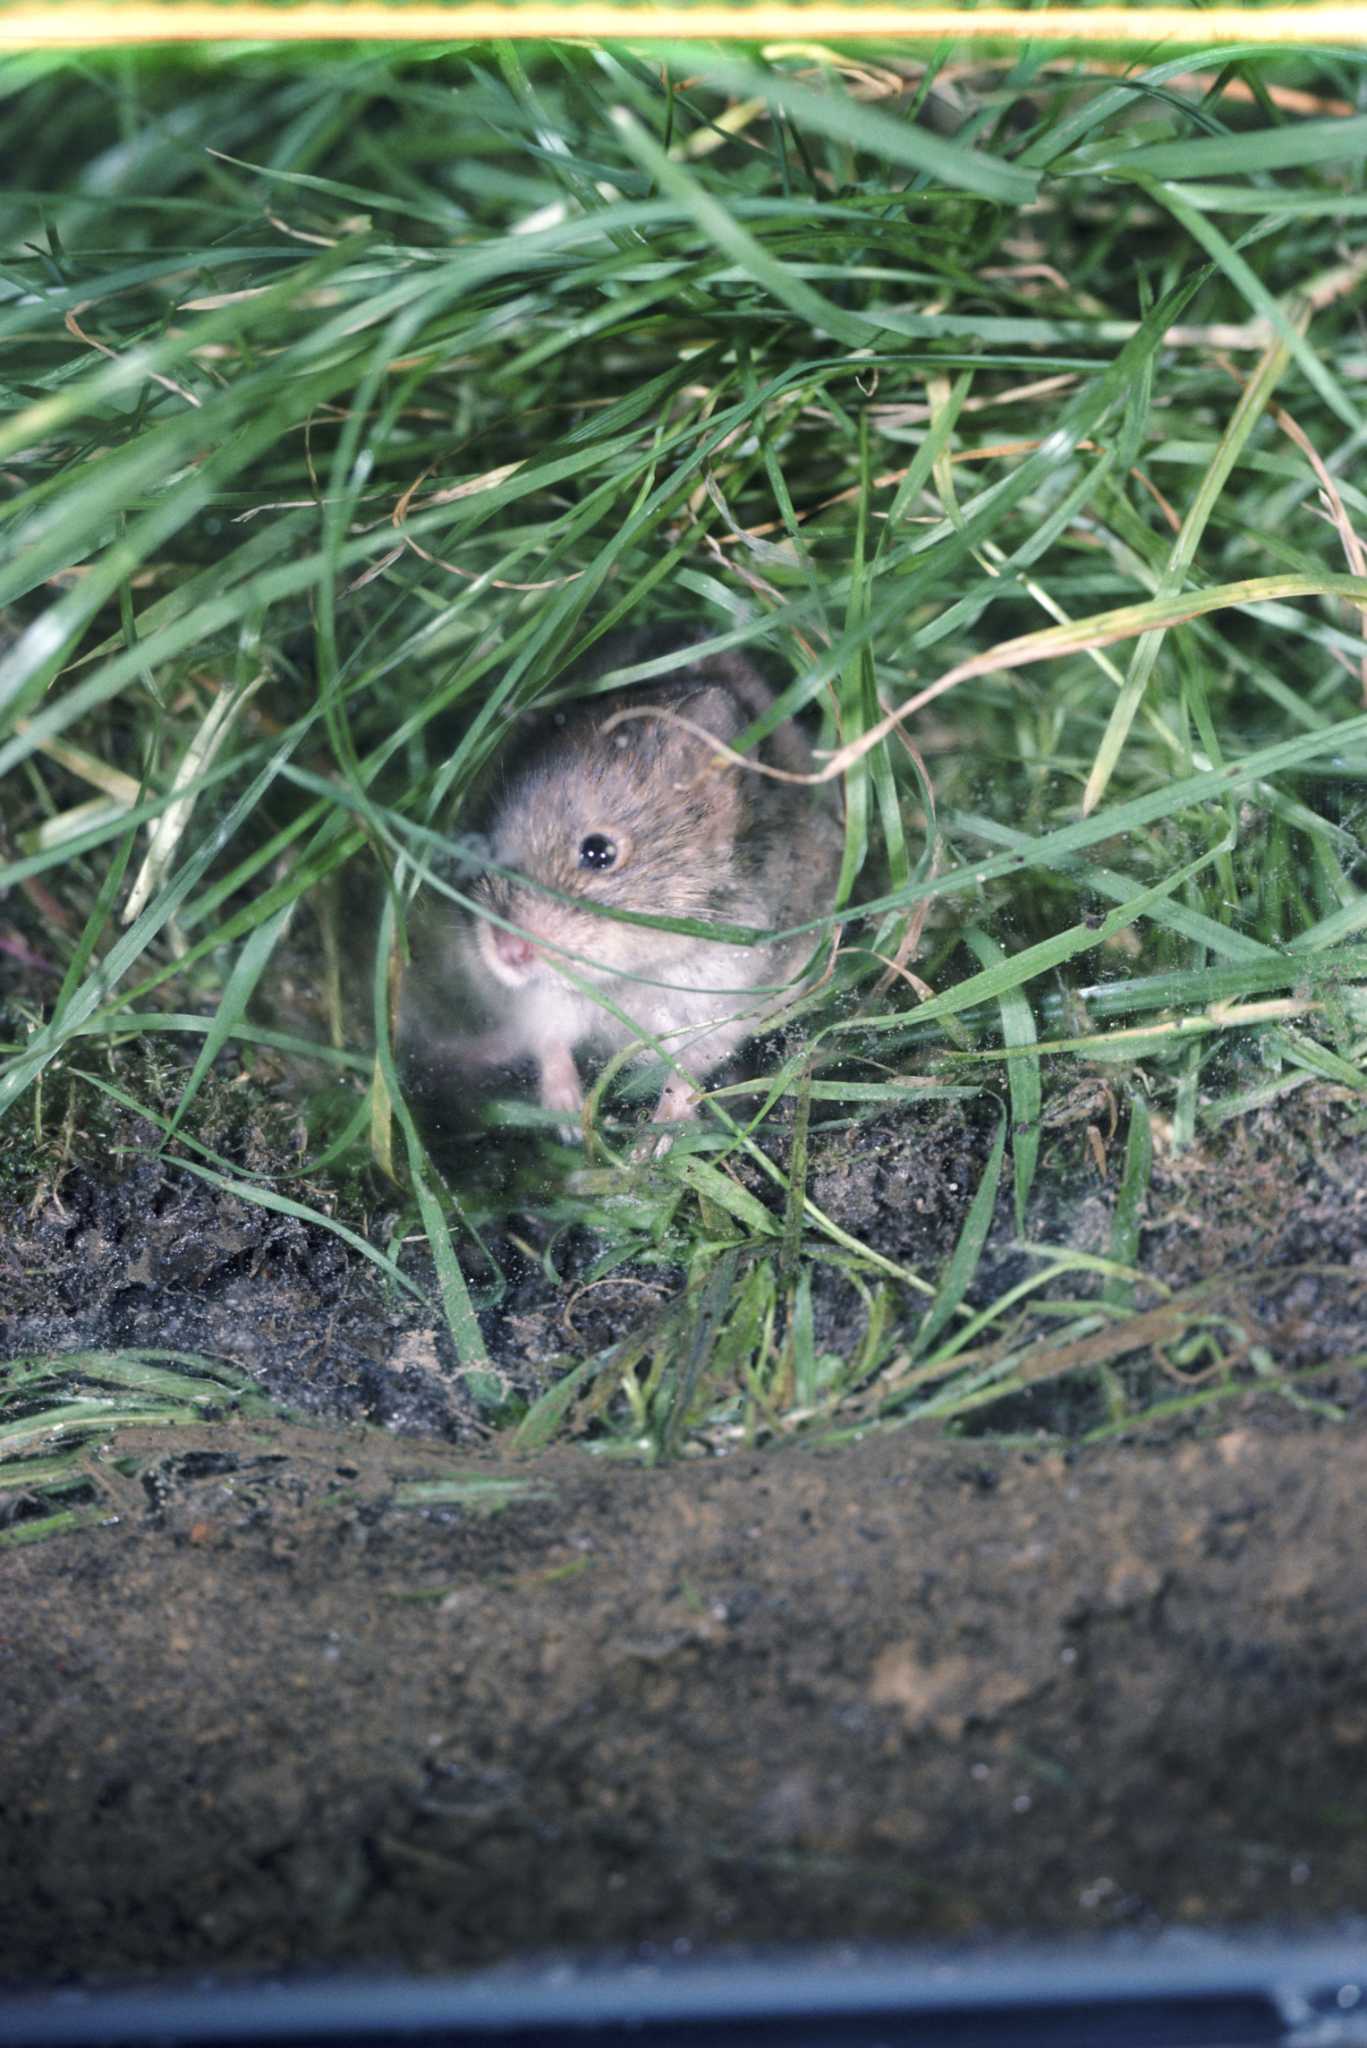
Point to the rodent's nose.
(513, 949)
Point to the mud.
(307, 1690)
(158, 1258)
(895, 1690)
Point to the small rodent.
(645, 817)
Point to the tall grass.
(352, 400)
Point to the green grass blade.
(1018, 1030)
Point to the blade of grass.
(1018, 1030)
(968, 1249)
(1253, 402)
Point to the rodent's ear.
(714, 709)
(687, 760)
(710, 709)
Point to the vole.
(602, 813)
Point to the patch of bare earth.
(901, 1689)
(268, 1716)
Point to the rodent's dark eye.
(597, 851)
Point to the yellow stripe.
(61, 26)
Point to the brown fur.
(697, 837)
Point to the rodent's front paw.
(562, 1092)
(678, 1104)
(678, 1101)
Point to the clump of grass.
(353, 402)
(53, 1413)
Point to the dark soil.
(265, 1712)
(895, 1690)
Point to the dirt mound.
(274, 1718)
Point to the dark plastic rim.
(1177, 1992)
